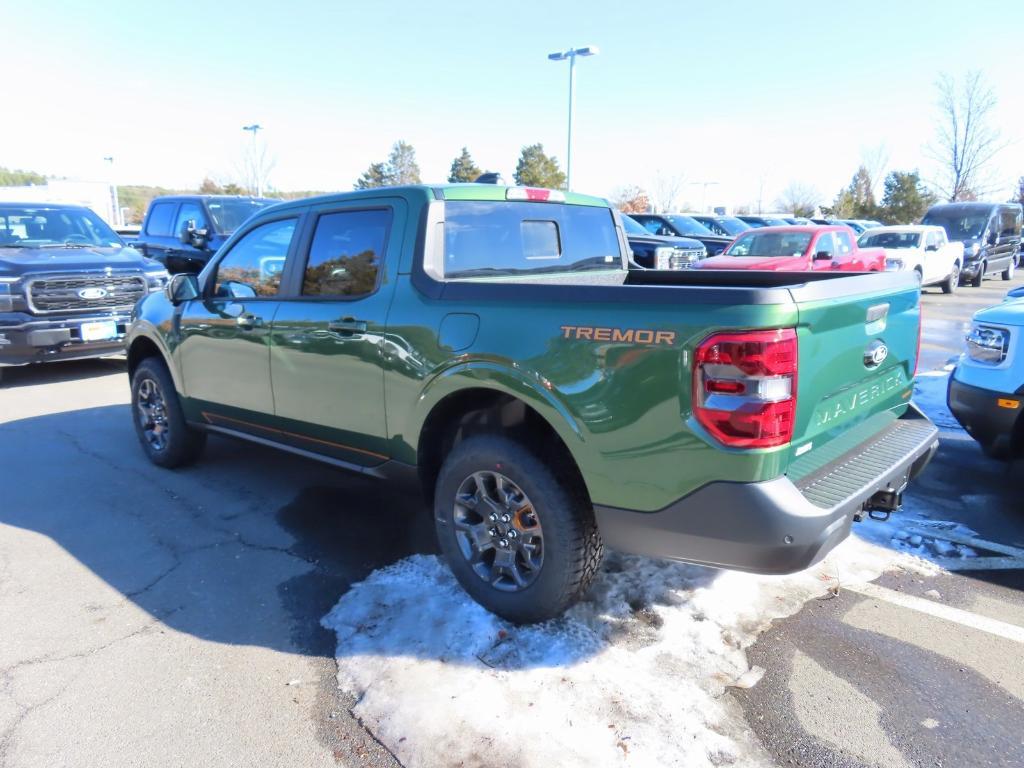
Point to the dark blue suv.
(183, 231)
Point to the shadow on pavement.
(52, 373)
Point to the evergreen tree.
(463, 168)
(906, 199)
(536, 169)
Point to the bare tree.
(801, 199)
(631, 199)
(254, 166)
(875, 160)
(665, 191)
(966, 142)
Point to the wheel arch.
(144, 346)
(486, 407)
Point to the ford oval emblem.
(875, 354)
(92, 293)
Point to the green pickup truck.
(489, 346)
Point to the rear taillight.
(744, 387)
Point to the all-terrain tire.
(571, 543)
(179, 444)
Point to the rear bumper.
(777, 526)
(31, 340)
(979, 412)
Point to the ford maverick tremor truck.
(490, 345)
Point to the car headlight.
(987, 344)
(894, 264)
(156, 279)
(7, 293)
(663, 257)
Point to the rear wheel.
(1008, 272)
(159, 421)
(950, 284)
(521, 542)
(976, 280)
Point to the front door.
(328, 341)
(224, 348)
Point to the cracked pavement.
(171, 618)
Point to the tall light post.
(703, 192)
(571, 54)
(257, 181)
(115, 203)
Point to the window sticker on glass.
(540, 240)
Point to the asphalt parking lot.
(157, 618)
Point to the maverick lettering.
(849, 403)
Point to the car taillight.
(744, 387)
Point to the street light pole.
(257, 181)
(704, 192)
(571, 54)
(115, 203)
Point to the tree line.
(535, 168)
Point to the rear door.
(329, 340)
(224, 349)
(157, 237)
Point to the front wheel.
(521, 542)
(159, 421)
(976, 280)
(950, 284)
(1008, 272)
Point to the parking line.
(959, 538)
(940, 611)
(980, 563)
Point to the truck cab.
(184, 231)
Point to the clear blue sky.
(752, 95)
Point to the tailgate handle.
(878, 312)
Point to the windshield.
(732, 225)
(890, 240)
(686, 225)
(633, 227)
(229, 215)
(770, 244)
(31, 227)
(958, 227)
(497, 239)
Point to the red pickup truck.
(798, 249)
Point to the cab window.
(253, 266)
(825, 245)
(159, 222)
(844, 242)
(346, 254)
(186, 213)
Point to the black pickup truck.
(184, 231)
(659, 251)
(67, 284)
(677, 225)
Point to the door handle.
(348, 325)
(247, 321)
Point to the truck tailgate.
(858, 345)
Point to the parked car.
(763, 221)
(183, 231)
(67, 284)
(678, 225)
(553, 390)
(869, 223)
(990, 233)
(724, 226)
(986, 389)
(921, 249)
(798, 220)
(856, 226)
(798, 249)
(656, 252)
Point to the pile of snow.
(634, 675)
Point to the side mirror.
(993, 238)
(823, 255)
(187, 232)
(237, 290)
(931, 247)
(182, 288)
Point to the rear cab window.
(508, 240)
(160, 220)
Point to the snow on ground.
(633, 675)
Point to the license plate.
(99, 330)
